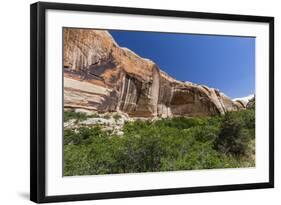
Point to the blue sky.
(223, 62)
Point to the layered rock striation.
(99, 75)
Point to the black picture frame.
(38, 101)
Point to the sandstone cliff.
(99, 75)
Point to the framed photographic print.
(129, 102)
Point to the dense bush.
(164, 145)
(237, 131)
(74, 115)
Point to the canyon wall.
(102, 76)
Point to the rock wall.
(99, 75)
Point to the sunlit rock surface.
(101, 76)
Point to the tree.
(233, 138)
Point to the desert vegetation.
(179, 143)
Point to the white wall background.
(14, 101)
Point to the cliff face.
(99, 75)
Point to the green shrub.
(74, 115)
(107, 116)
(181, 122)
(234, 138)
(83, 135)
(204, 133)
(116, 117)
(164, 145)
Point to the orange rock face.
(99, 75)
